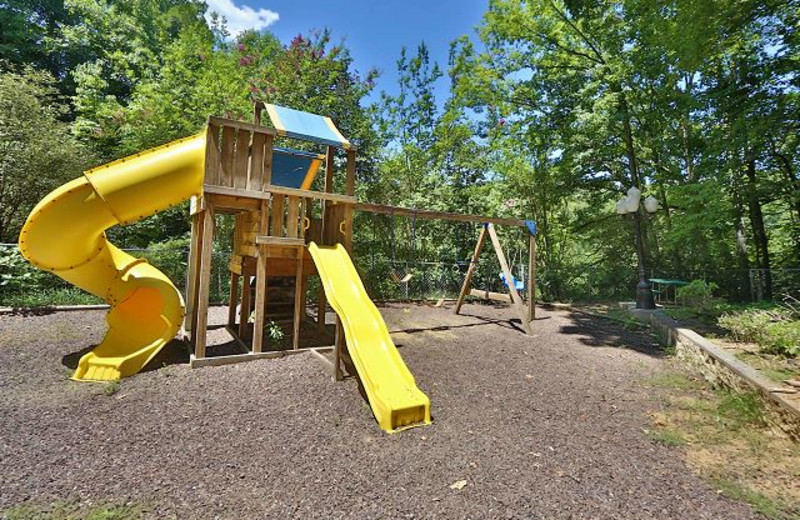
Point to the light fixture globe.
(651, 204)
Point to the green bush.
(698, 294)
(784, 339)
(773, 330)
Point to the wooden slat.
(226, 156)
(292, 214)
(268, 145)
(350, 179)
(255, 176)
(242, 158)
(269, 240)
(436, 215)
(277, 216)
(470, 271)
(250, 127)
(212, 154)
(501, 257)
(204, 282)
(334, 197)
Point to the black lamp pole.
(644, 291)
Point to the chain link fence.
(21, 284)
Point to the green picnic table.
(662, 288)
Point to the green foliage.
(111, 388)
(274, 332)
(70, 511)
(698, 293)
(774, 330)
(740, 410)
(37, 153)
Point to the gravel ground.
(542, 427)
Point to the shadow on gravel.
(597, 332)
(174, 353)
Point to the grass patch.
(46, 298)
(111, 388)
(71, 512)
(769, 507)
(724, 439)
(667, 437)
(675, 380)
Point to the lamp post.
(631, 206)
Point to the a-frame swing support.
(526, 312)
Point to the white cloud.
(242, 17)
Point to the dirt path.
(543, 427)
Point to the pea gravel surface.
(543, 427)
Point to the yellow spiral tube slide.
(65, 234)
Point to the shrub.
(698, 294)
(784, 339)
(773, 330)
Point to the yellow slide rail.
(65, 234)
(391, 389)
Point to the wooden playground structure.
(276, 215)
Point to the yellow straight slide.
(65, 234)
(392, 392)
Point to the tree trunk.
(793, 193)
(760, 238)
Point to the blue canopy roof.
(304, 125)
(294, 168)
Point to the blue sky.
(374, 30)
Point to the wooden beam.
(244, 308)
(193, 271)
(337, 351)
(501, 257)
(298, 299)
(250, 127)
(293, 192)
(269, 240)
(261, 283)
(489, 295)
(473, 263)
(216, 361)
(436, 215)
(532, 277)
(233, 299)
(235, 192)
(203, 293)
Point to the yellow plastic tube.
(391, 389)
(65, 234)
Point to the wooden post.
(233, 299)
(337, 351)
(523, 312)
(532, 277)
(193, 271)
(298, 298)
(471, 270)
(350, 189)
(207, 244)
(244, 308)
(261, 283)
(322, 303)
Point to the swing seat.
(518, 285)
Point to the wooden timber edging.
(721, 369)
(53, 308)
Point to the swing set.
(525, 308)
